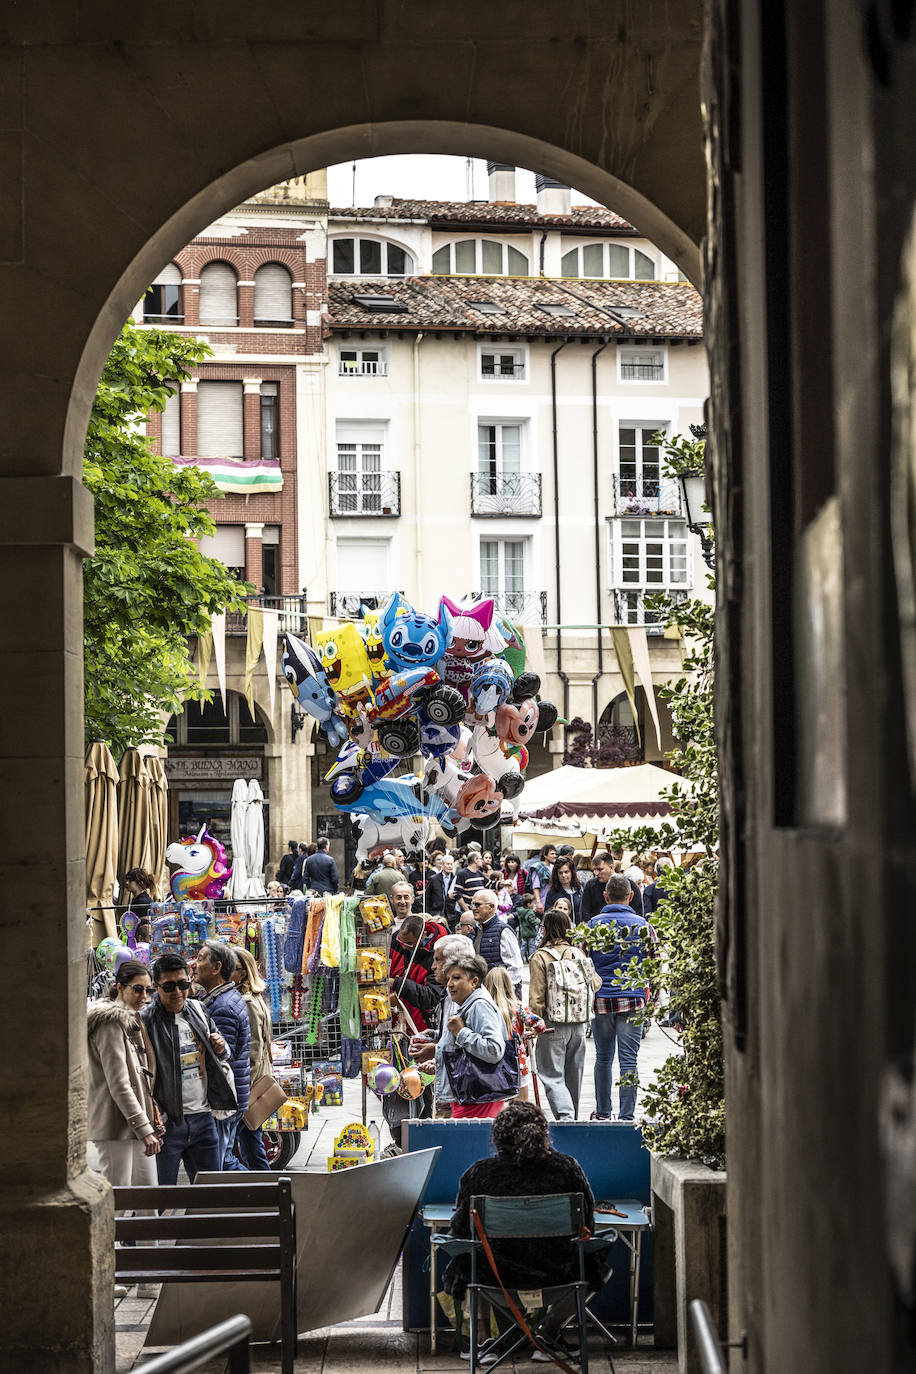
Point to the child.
(520, 1021)
(528, 921)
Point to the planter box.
(688, 1229)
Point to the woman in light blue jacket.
(476, 1027)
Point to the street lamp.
(696, 505)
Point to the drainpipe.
(556, 528)
(541, 254)
(417, 463)
(595, 356)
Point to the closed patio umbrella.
(101, 792)
(237, 887)
(159, 819)
(254, 840)
(133, 815)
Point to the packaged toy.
(376, 913)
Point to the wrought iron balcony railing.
(293, 614)
(365, 493)
(642, 372)
(511, 493)
(498, 366)
(522, 608)
(363, 367)
(647, 496)
(348, 605)
(631, 608)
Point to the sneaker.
(485, 1355)
(595, 1117)
(559, 1348)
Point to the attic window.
(557, 309)
(626, 312)
(381, 305)
(487, 307)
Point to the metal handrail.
(232, 1335)
(708, 1348)
(510, 493)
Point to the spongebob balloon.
(346, 664)
(371, 631)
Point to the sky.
(422, 177)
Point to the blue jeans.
(226, 1132)
(528, 947)
(251, 1147)
(623, 1030)
(192, 1141)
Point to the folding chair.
(559, 1216)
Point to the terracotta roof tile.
(649, 309)
(442, 213)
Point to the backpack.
(569, 988)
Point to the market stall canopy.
(133, 815)
(100, 778)
(599, 798)
(159, 821)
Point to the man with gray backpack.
(562, 990)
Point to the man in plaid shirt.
(620, 999)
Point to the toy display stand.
(372, 979)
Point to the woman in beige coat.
(121, 1069)
(252, 987)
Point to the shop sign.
(203, 769)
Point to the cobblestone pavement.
(377, 1344)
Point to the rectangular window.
(641, 364)
(359, 477)
(593, 260)
(640, 462)
(466, 256)
(491, 257)
(650, 554)
(219, 420)
(502, 573)
(362, 362)
(508, 362)
(170, 446)
(370, 258)
(499, 456)
(362, 566)
(618, 260)
(227, 543)
(343, 255)
(270, 432)
(397, 261)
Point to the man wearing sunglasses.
(190, 1083)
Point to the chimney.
(384, 202)
(553, 197)
(501, 176)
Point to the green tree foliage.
(685, 1106)
(147, 588)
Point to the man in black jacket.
(190, 1083)
(320, 871)
(287, 864)
(593, 899)
(441, 892)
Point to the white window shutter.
(169, 276)
(227, 544)
(218, 295)
(219, 420)
(272, 293)
(362, 564)
(171, 427)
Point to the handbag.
(473, 1081)
(265, 1097)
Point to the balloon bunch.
(450, 688)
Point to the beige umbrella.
(100, 778)
(133, 817)
(159, 818)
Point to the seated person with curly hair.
(525, 1164)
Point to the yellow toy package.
(371, 964)
(356, 1136)
(374, 1007)
(373, 1057)
(376, 913)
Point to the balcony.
(348, 605)
(647, 496)
(365, 493)
(293, 615)
(519, 608)
(513, 493)
(642, 372)
(363, 367)
(630, 608)
(497, 367)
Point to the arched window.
(218, 295)
(479, 258)
(607, 260)
(618, 738)
(273, 296)
(353, 257)
(162, 302)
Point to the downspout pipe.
(596, 494)
(418, 463)
(556, 536)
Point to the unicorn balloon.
(198, 868)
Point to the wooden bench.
(235, 1232)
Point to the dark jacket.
(163, 1034)
(296, 877)
(320, 873)
(653, 894)
(594, 900)
(574, 899)
(524, 1264)
(420, 992)
(438, 902)
(229, 1014)
(637, 945)
(285, 868)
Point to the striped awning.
(238, 474)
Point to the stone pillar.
(254, 555)
(189, 418)
(56, 1282)
(251, 418)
